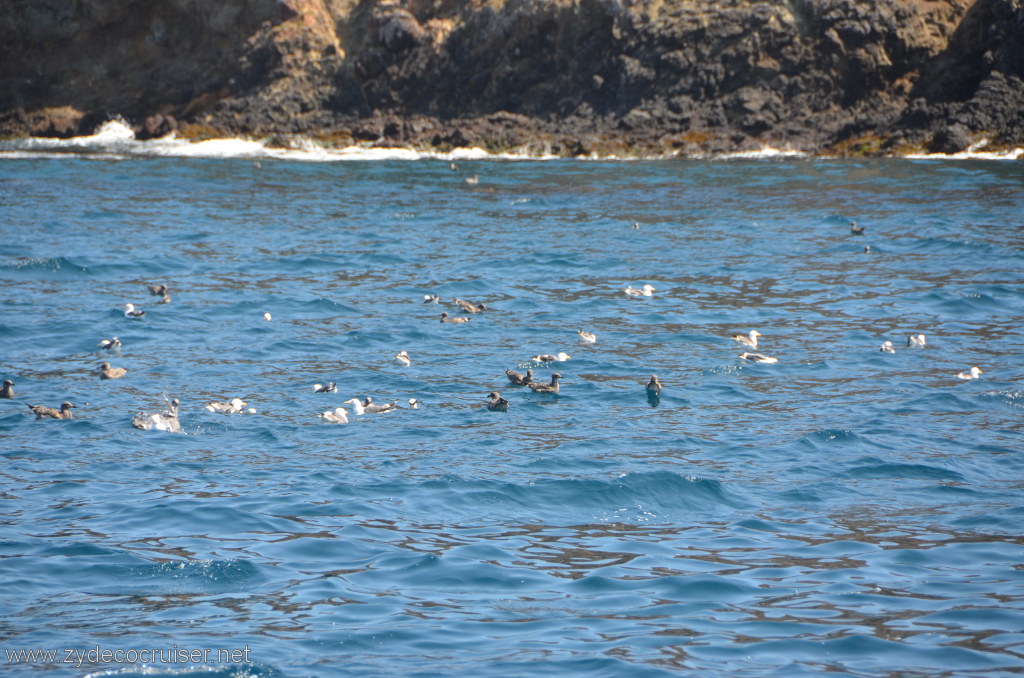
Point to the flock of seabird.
(167, 420)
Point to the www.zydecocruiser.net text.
(79, 657)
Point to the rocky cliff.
(563, 76)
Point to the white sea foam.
(973, 152)
(116, 140)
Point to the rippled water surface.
(844, 511)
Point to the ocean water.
(843, 511)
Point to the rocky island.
(564, 77)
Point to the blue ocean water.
(844, 511)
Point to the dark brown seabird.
(43, 412)
(547, 388)
(470, 307)
(497, 403)
(108, 372)
(520, 379)
(8, 390)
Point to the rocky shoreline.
(560, 77)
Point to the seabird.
(339, 415)
(497, 403)
(748, 340)
(916, 340)
(587, 337)
(110, 344)
(470, 307)
(759, 357)
(403, 358)
(158, 290)
(973, 374)
(867, 249)
(162, 421)
(654, 386)
(549, 358)
(414, 404)
(645, 291)
(547, 388)
(331, 387)
(233, 406)
(446, 319)
(108, 372)
(43, 412)
(8, 390)
(520, 379)
(357, 408)
(370, 408)
(267, 316)
(131, 312)
(636, 225)
(855, 229)
(473, 180)
(431, 299)
(887, 347)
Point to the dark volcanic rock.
(953, 139)
(564, 76)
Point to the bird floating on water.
(113, 344)
(497, 403)
(431, 299)
(108, 372)
(546, 388)
(370, 407)
(329, 387)
(233, 406)
(446, 319)
(855, 229)
(8, 389)
(654, 386)
(267, 316)
(160, 291)
(646, 291)
(360, 407)
(414, 404)
(887, 347)
(339, 415)
(43, 412)
(587, 337)
(916, 340)
(131, 312)
(759, 358)
(520, 379)
(473, 180)
(161, 421)
(470, 307)
(403, 358)
(974, 373)
(551, 358)
(748, 339)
